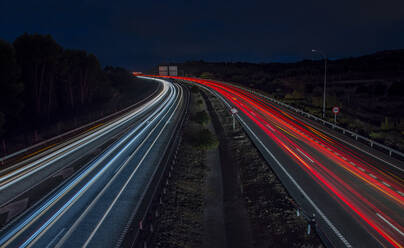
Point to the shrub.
(205, 140)
(200, 117)
(386, 124)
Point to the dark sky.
(139, 34)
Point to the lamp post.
(325, 76)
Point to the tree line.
(41, 83)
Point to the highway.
(92, 207)
(354, 194)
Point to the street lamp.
(325, 76)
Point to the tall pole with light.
(325, 76)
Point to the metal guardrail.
(373, 144)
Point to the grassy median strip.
(182, 215)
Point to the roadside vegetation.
(46, 89)
(181, 220)
(369, 89)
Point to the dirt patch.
(215, 228)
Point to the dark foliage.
(41, 84)
(200, 117)
(10, 86)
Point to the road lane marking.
(373, 176)
(304, 155)
(77, 222)
(388, 185)
(360, 149)
(268, 126)
(50, 244)
(323, 216)
(388, 222)
(67, 205)
(360, 168)
(127, 181)
(38, 151)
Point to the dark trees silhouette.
(42, 84)
(10, 87)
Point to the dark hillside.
(46, 90)
(368, 89)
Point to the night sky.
(140, 34)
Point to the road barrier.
(373, 144)
(77, 131)
(140, 228)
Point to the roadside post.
(233, 112)
(335, 110)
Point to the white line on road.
(388, 185)
(304, 155)
(126, 183)
(323, 216)
(360, 149)
(268, 126)
(50, 244)
(388, 222)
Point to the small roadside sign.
(335, 110)
(233, 112)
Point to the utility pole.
(325, 76)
